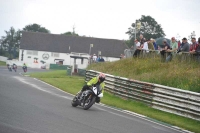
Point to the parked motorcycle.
(88, 97)
(24, 68)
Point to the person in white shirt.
(94, 58)
(138, 48)
(145, 46)
(137, 43)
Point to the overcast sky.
(102, 18)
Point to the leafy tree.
(35, 28)
(1, 47)
(11, 42)
(70, 33)
(147, 26)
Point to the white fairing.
(94, 90)
(100, 95)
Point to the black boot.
(98, 100)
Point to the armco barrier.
(173, 100)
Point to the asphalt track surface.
(28, 105)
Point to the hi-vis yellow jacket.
(94, 81)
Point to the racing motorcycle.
(14, 68)
(87, 98)
(9, 67)
(24, 68)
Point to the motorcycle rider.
(24, 66)
(99, 80)
(9, 67)
(14, 66)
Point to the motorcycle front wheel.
(89, 101)
(74, 102)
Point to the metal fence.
(173, 100)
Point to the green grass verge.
(2, 63)
(183, 75)
(73, 84)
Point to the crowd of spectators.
(167, 50)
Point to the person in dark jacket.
(184, 47)
(196, 52)
(164, 51)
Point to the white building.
(36, 48)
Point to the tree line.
(10, 43)
(146, 25)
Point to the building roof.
(67, 44)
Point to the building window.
(59, 61)
(32, 52)
(29, 52)
(54, 54)
(35, 52)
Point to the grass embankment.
(58, 78)
(73, 84)
(183, 75)
(2, 63)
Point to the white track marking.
(39, 88)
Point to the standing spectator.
(179, 43)
(94, 58)
(184, 47)
(154, 44)
(138, 48)
(141, 39)
(173, 44)
(121, 56)
(145, 46)
(101, 59)
(150, 45)
(164, 51)
(174, 47)
(196, 52)
(91, 59)
(137, 43)
(98, 59)
(193, 46)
